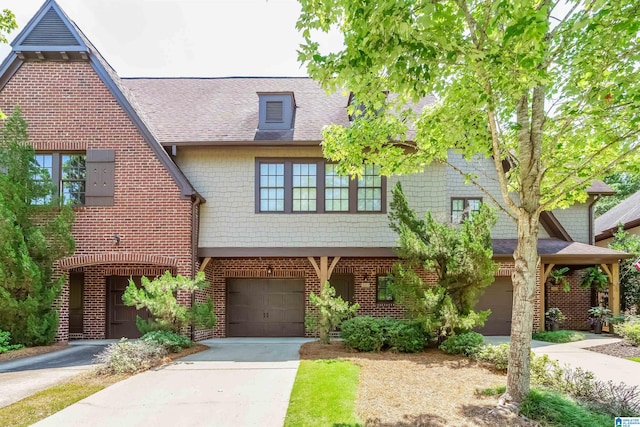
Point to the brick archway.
(116, 258)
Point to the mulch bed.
(621, 349)
(423, 389)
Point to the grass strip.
(634, 359)
(47, 402)
(558, 337)
(552, 409)
(324, 394)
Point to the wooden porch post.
(324, 270)
(613, 272)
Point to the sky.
(186, 38)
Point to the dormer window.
(276, 111)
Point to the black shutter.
(100, 177)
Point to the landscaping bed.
(31, 351)
(619, 349)
(429, 388)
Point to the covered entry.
(121, 319)
(265, 307)
(499, 298)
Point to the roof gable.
(627, 213)
(75, 46)
(49, 31)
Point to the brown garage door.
(499, 298)
(265, 307)
(121, 319)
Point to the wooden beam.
(614, 289)
(324, 269)
(609, 273)
(332, 266)
(205, 263)
(546, 271)
(313, 262)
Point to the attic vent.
(274, 112)
(51, 31)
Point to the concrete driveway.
(24, 377)
(237, 382)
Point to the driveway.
(237, 382)
(24, 377)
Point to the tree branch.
(483, 190)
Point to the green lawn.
(47, 402)
(552, 409)
(558, 336)
(634, 359)
(324, 394)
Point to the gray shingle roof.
(627, 212)
(559, 250)
(188, 110)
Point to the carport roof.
(562, 252)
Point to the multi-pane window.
(304, 187)
(45, 161)
(73, 178)
(383, 290)
(336, 190)
(370, 190)
(299, 185)
(462, 207)
(272, 187)
(68, 172)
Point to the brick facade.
(573, 303)
(68, 108)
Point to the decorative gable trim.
(50, 35)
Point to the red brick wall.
(364, 271)
(69, 108)
(574, 304)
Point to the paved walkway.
(573, 354)
(237, 382)
(24, 377)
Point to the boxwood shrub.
(466, 343)
(366, 333)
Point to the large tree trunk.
(524, 291)
(531, 122)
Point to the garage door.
(121, 319)
(499, 298)
(265, 307)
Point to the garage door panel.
(265, 307)
(498, 297)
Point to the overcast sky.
(185, 38)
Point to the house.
(625, 214)
(226, 176)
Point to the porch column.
(324, 270)
(613, 272)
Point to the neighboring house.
(625, 214)
(227, 176)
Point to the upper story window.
(276, 111)
(68, 172)
(300, 185)
(461, 207)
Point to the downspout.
(195, 230)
